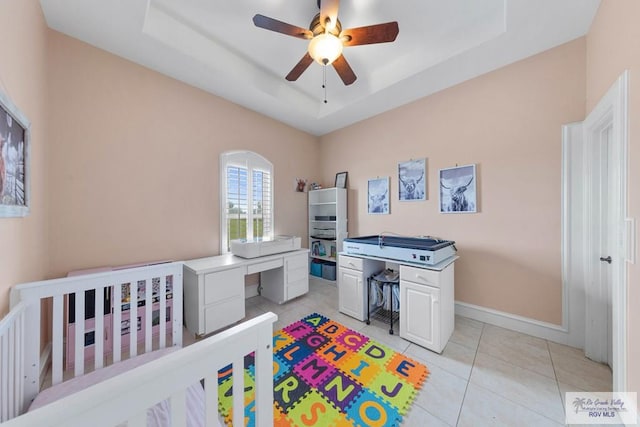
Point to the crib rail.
(138, 283)
(11, 367)
(126, 397)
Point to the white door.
(598, 343)
(350, 293)
(420, 314)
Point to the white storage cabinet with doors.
(427, 306)
(352, 281)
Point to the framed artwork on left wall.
(15, 144)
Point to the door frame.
(611, 110)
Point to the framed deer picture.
(378, 196)
(458, 190)
(15, 144)
(412, 180)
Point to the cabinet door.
(350, 293)
(420, 314)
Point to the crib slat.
(20, 363)
(57, 340)
(162, 295)
(148, 316)
(12, 372)
(4, 376)
(211, 401)
(79, 350)
(117, 322)
(264, 377)
(238, 392)
(178, 408)
(176, 309)
(133, 319)
(99, 328)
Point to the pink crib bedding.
(157, 416)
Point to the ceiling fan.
(327, 38)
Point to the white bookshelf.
(327, 223)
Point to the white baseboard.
(45, 358)
(536, 328)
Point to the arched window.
(246, 202)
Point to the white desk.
(214, 286)
(426, 296)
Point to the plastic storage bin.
(329, 271)
(316, 268)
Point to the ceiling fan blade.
(344, 70)
(329, 10)
(281, 27)
(299, 68)
(380, 33)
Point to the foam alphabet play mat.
(326, 374)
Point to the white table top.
(437, 267)
(226, 261)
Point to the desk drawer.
(298, 288)
(421, 276)
(264, 266)
(223, 314)
(298, 261)
(223, 285)
(350, 262)
(297, 274)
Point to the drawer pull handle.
(421, 277)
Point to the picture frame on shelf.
(15, 146)
(378, 196)
(458, 189)
(412, 180)
(341, 179)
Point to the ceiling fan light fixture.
(325, 48)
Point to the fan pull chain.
(324, 82)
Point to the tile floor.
(486, 375)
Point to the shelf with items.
(327, 229)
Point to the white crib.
(125, 397)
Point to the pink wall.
(135, 161)
(613, 45)
(23, 67)
(506, 122)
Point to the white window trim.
(251, 161)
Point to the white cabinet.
(427, 306)
(294, 276)
(214, 286)
(213, 300)
(352, 281)
(327, 224)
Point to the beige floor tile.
(442, 395)
(516, 348)
(467, 332)
(456, 359)
(482, 407)
(573, 369)
(527, 388)
(419, 417)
